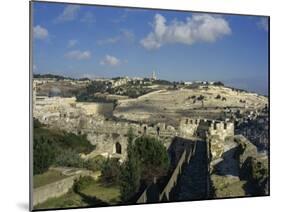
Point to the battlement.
(206, 127)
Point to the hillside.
(212, 102)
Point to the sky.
(96, 41)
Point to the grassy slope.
(48, 177)
(97, 195)
(70, 199)
(107, 193)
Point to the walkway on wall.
(193, 182)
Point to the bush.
(68, 158)
(200, 98)
(54, 147)
(218, 83)
(37, 123)
(95, 164)
(110, 171)
(78, 144)
(82, 183)
(218, 96)
(43, 155)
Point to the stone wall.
(105, 134)
(52, 190)
(213, 131)
(57, 188)
(185, 158)
(204, 127)
(96, 108)
(188, 127)
(222, 129)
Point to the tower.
(153, 77)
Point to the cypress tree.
(130, 174)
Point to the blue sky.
(95, 41)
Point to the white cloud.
(125, 35)
(128, 34)
(72, 43)
(109, 40)
(40, 32)
(263, 24)
(69, 13)
(88, 18)
(110, 60)
(78, 55)
(198, 28)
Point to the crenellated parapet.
(204, 128)
(213, 131)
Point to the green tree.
(43, 155)
(153, 157)
(110, 172)
(130, 174)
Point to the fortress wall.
(222, 129)
(188, 127)
(106, 145)
(174, 177)
(218, 132)
(123, 127)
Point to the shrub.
(43, 155)
(82, 182)
(218, 83)
(67, 157)
(54, 147)
(200, 98)
(110, 171)
(218, 96)
(95, 163)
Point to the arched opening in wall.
(225, 126)
(118, 148)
